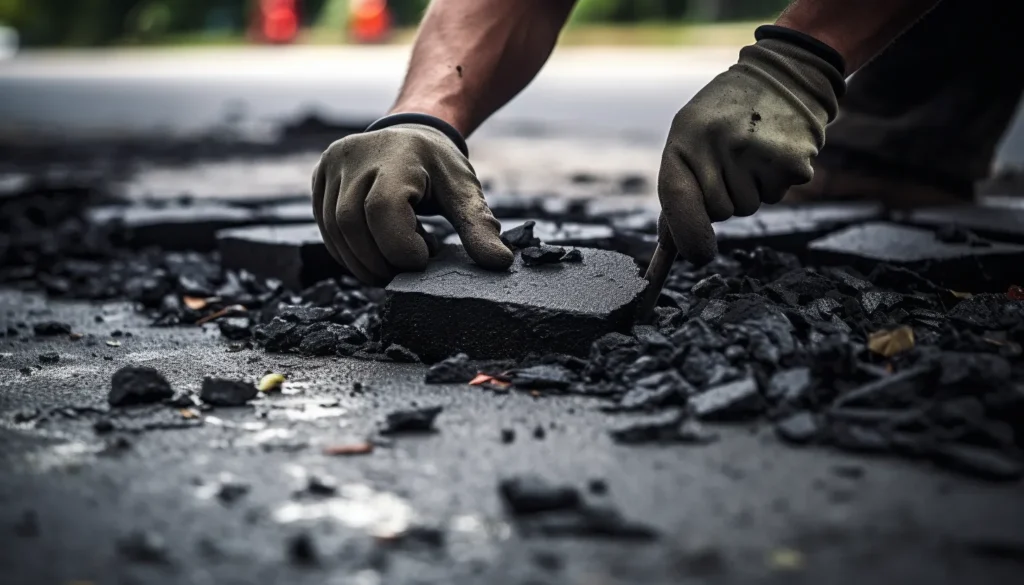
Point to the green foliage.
(98, 22)
(594, 10)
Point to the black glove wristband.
(426, 120)
(804, 41)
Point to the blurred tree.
(98, 22)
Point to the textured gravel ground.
(744, 509)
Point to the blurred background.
(140, 22)
(196, 80)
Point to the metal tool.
(657, 273)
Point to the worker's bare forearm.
(858, 30)
(472, 56)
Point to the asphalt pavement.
(77, 502)
(143, 500)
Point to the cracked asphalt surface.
(744, 509)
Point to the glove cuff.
(804, 41)
(425, 120)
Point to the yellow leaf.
(786, 559)
(891, 342)
(960, 295)
(188, 413)
(271, 382)
(113, 343)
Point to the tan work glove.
(747, 136)
(368, 189)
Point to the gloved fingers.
(333, 237)
(742, 184)
(318, 186)
(350, 214)
(683, 210)
(464, 206)
(703, 164)
(319, 194)
(392, 221)
(433, 244)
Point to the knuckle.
(379, 204)
(346, 216)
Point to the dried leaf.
(786, 559)
(188, 413)
(961, 295)
(113, 343)
(76, 336)
(891, 342)
(352, 449)
(271, 382)
(221, 313)
(486, 380)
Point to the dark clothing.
(935, 104)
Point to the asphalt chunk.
(138, 385)
(401, 354)
(419, 420)
(521, 236)
(739, 400)
(457, 369)
(531, 494)
(457, 307)
(543, 254)
(49, 328)
(224, 392)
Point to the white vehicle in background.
(8, 42)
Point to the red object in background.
(371, 20)
(276, 21)
(1016, 293)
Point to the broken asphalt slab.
(457, 307)
(296, 254)
(1003, 224)
(973, 268)
(782, 227)
(172, 227)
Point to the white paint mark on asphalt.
(381, 514)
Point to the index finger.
(682, 205)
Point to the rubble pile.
(887, 362)
(884, 357)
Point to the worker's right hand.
(368, 189)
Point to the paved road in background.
(623, 94)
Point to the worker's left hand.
(743, 140)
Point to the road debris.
(892, 342)
(224, 392)
(271, 383)
(138, 385)
(419, 420)
(364, 448)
